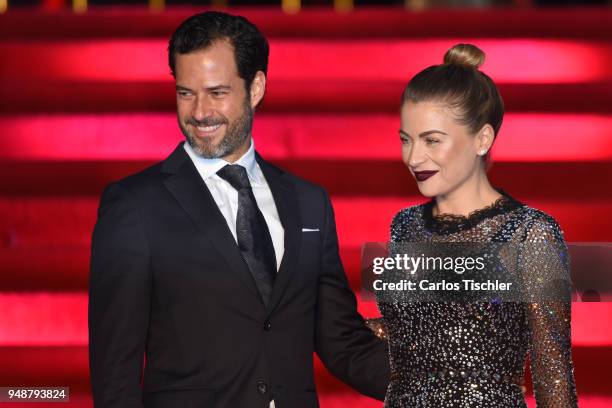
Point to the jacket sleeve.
(346, 346)
(119, 301)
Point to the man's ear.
(258, 88)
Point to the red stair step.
(563, 180)
(64, 224)
(363, 22)
(519, 60)
(304, 95)
(60, 319)
(523, 137)
(68, 366)
(44, 242)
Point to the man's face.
(215, 113)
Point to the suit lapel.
(287, 206)
(188, 188)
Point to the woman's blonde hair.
(458, 82)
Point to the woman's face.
(440, 153)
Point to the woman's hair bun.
(466, 55)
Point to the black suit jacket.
(167, 280)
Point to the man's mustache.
(207, 121)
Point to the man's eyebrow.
(219, 88)
(210, 88)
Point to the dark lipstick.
(424, 175)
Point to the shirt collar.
(209, 167)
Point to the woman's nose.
(416, 156)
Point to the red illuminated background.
(87, 99)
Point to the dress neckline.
(451, 223)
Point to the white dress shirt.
(226, 196)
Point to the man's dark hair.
(199, 31)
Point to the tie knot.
(236, 175)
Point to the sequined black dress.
(463, 355)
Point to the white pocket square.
(310, 229)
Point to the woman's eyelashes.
(428, 140)
(405, 140)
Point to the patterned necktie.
(254, 240)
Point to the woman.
(469, 354)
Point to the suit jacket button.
(262, 387)
(267, 325)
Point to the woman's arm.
(546, 265)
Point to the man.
(221, 268)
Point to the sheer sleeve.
(377, 325)
(546, 265)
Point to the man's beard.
(236, 134)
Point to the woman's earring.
(482, 152)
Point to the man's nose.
(201, 108)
